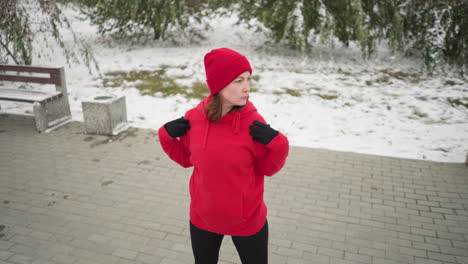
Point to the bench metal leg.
(52, 114)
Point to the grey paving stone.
(68, 197)
(20, 259)
(5, 254)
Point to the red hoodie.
(227, 183)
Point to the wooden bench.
(51, 108)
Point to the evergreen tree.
(132, 19)
(15, 34)
(437, 30)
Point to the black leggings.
(252, 249)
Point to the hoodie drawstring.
(236, 123)
(207, 127)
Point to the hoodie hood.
(234, 117)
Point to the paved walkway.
(68, 197)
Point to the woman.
(231, 149)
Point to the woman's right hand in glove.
(177, 128)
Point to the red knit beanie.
(222, 66)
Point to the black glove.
(262, 133)
(177, 128)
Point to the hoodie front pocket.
(219, 207)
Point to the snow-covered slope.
(382, 106)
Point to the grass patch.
(457, 101)
(255, 78)
(292, 92)
(309, 90)
(327, 97)
(419, 114)
(199, 90)
(253, 85)
(412, 77)
(158, 83)
(344, 72)
(388, 75)
(451, 83)
(383, 79)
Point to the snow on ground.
(382, 106)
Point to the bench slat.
(24, 68)
(19, 78)
(27, 95)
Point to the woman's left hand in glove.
(262, 132)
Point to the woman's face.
(237, 92)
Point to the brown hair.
(214, 110)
